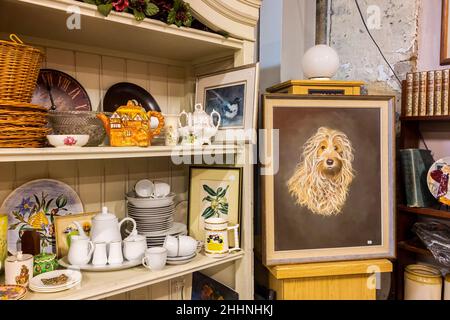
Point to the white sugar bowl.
(134, 247)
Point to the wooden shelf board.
(414, 247)
(425, 118)
(119, 31)
(100, 285)
(88, 153)
(430, 212)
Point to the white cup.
(155, 258)
(187, 246)
(161, 189)
(171, 245)
(134, 248)
(181, 246)
(144, 188)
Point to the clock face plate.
(67, 93)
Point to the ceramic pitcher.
(216, 237)
(81, 250)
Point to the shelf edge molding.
(91, 153)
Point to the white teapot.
(106, 227)
(199, 128)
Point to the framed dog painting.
(329, 189)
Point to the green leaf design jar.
(44, 262)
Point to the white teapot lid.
(105, 215)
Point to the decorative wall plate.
(56, 89)
(33, 205)
(122, 92)
(438, 180)
(11, 292)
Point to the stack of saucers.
(156, 239)
(55, 281)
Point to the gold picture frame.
(215, 178)
(356, 132)
(64, 225)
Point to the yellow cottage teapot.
(130, 126)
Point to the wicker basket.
(19, 70)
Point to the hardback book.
(414, 166)
(430, 93)
(445, 91)
(438, 93)
(423, 85)
(416, 87)
(409, 94)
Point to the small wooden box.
(318, 87)
(346, 280)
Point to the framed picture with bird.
(329, 191)
(234, 95)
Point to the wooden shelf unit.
(409, 247)
(92, 153)
(429, 212)
(93, 285)
(164, 60)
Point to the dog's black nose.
(330, 162)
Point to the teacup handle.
(236, 238)
(160, 117)
(145, 263)
(134, 231)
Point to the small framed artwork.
(65, 228)
(206, 288)
(330, 194)
(445, 33)
(213, 192)
(234, 95)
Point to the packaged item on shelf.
(436, 236)
(3, 240)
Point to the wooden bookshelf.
(429, 212)
(414, 246)
(425, 118)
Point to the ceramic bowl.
(68, 140)
(150, 202)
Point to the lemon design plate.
(33, 205)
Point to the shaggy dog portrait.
(324, 173)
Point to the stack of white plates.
(151, 220)
(156, 239)
(37, 285)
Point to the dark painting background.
(296, 227)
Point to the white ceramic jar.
(447, 288)
(422, 283)
(19, 269)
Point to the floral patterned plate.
(34, 206)
(12, 292)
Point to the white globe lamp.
(320, 62)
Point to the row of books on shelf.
(427, 93)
